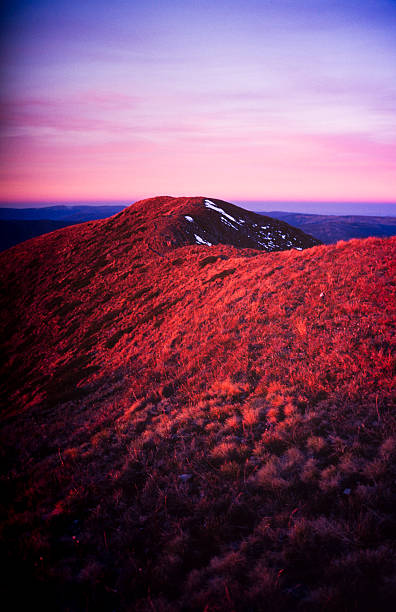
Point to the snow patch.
(189, 218)
(209, 204)
(229, 224)
(201, 240)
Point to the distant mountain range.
(72, 213)
(17, 225)
(331, 228)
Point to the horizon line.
(129, 201)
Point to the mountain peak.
(174, 222)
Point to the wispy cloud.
(253, 96)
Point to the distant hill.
(196, 427)
(19, 224)
(331, 228)
(72, 213)
(15, 231)
(177, 222)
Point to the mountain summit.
(181, 221)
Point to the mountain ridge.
(185, 421)
(17, 225)
(168, 221)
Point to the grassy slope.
(199, 430)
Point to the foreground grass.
(206, 429)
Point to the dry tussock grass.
(225, 445)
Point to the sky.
(238, 100)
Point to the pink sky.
(249, 100)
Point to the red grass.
(172, 443)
